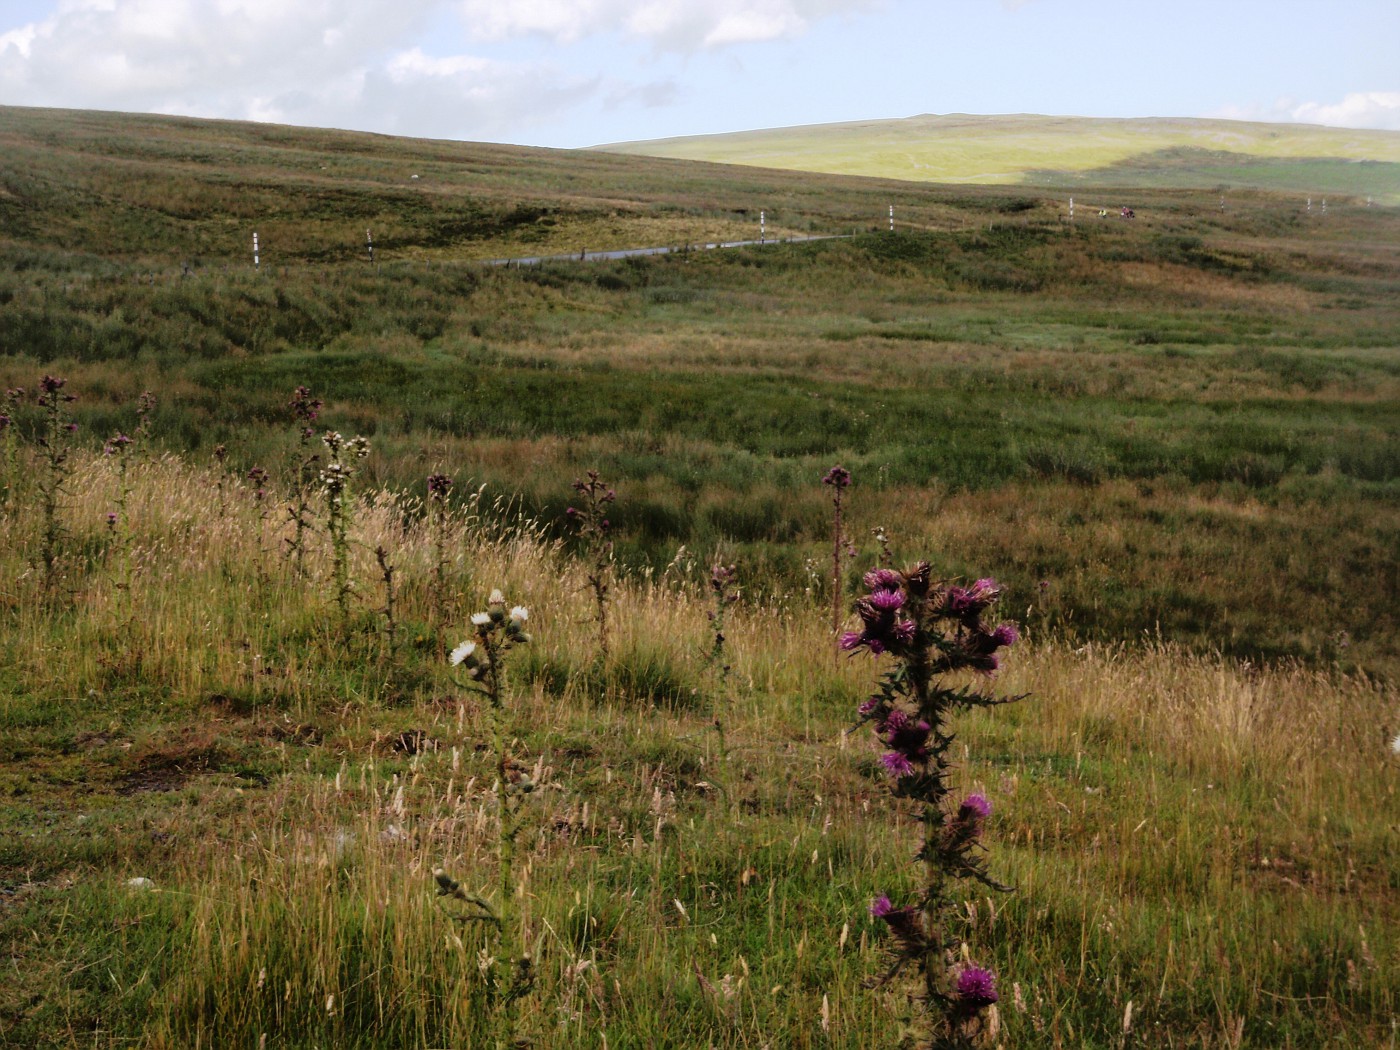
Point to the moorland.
(1172, 439)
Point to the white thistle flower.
(462, 652)
(480, 619)
(519, 614)
(497, 598)
(1395, 744)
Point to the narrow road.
(627, 253)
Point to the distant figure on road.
(1128, 213)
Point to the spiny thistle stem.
(839, 478)
(386, 573)
(119, 447)
(439, 489)
(257, 477)
(722, 579)
(305, 409)
(595, 532)
(335, 480)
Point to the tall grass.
(1206, 839)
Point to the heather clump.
(933, 633)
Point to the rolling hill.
(1066, 151)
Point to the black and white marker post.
(255, 251)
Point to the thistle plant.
(386, 573)
(118, 448)
(933, 631)
(439, 488)
(479, 665)
(335, 481)
(257, 477)
(839, 478)
(595, 533)
(882, 540)
(722, 596)
(56, 430)
(305, 409)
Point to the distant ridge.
(1064, 151)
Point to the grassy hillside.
(1193, 388)
(1067, 152)
(1175, 440)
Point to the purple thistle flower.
(897, 764)
(438, 486)
(868, 707)
(111, 519)
(880, 907)
(72, 428)
(1006, 634)
(975, 807)
(887, 600)
(882, 579)
(5, 421)
(837, 477)
(977, 987)
(52, 384)
(903, 631)
(851, 640)
(986, 590)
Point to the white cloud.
(366, 63)
(668, 25)
(346, 63)
(1361, 109)
(1366, 110)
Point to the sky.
(573, 73)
